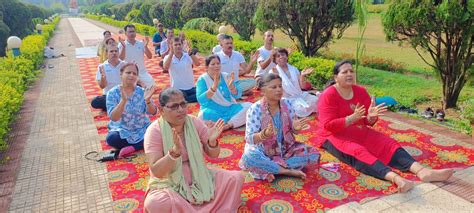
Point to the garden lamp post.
(155, 21)
(14, 43)
(39, 28)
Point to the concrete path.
(54, 175)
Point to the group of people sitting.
(175, 144)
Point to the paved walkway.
(54, 176)
(57, 129)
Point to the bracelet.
(213, 147)
(263, 136)
(212, 90)
(171, 156)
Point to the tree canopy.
(311, 24)
(444, 29)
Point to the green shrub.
(322, 68)
(32, 48)
(203, 24)
(17, 73)
(10, 103)
(467, 110)
(377, 8)
(22, 66)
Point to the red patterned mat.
(322, 190)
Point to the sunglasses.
(176, 106)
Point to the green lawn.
(375, 44)
(416, 92)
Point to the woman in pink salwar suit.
(346, 114)
(179, 178)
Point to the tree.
(311, 24)
(144, 13)
(134, 16)
(171, 17)
(444, 29)
(17, 17)
(121, 10)
(156, 11)
(239, 14)
(4, 33)
(201, 8)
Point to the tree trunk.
(452, 86)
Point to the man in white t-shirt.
(180, 67)
(265, 61)
(132, 50)
(233, 62)
(108, 76)
(165, 50)
(218, 47)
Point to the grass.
(417, 89)
(416, 92)
(375, 45)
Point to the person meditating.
(128, 106)
(179, 178)
(107, 76)
(270, 147)
(346, 112)
(216, 93)
(180, 67)
(292, 81)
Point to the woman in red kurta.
(346, 113)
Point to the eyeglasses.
(176, 106)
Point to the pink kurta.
(358, 140)
(227, 184)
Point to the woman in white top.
(292, 81)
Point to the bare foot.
(297, 173)
(433, 175)
(270, 178)
(403, 185)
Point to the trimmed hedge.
(16, 73)
(322, 68)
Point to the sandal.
(428, 113)
(440, 115)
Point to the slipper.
(440, 115)
(428, 113)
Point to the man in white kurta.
(132, 50)
(265, 61)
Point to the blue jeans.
(190, 95)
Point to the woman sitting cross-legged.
(180, 180)
(128, 106)
(270, 147)
(216, 93)
(292, 81)
(346, 112)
